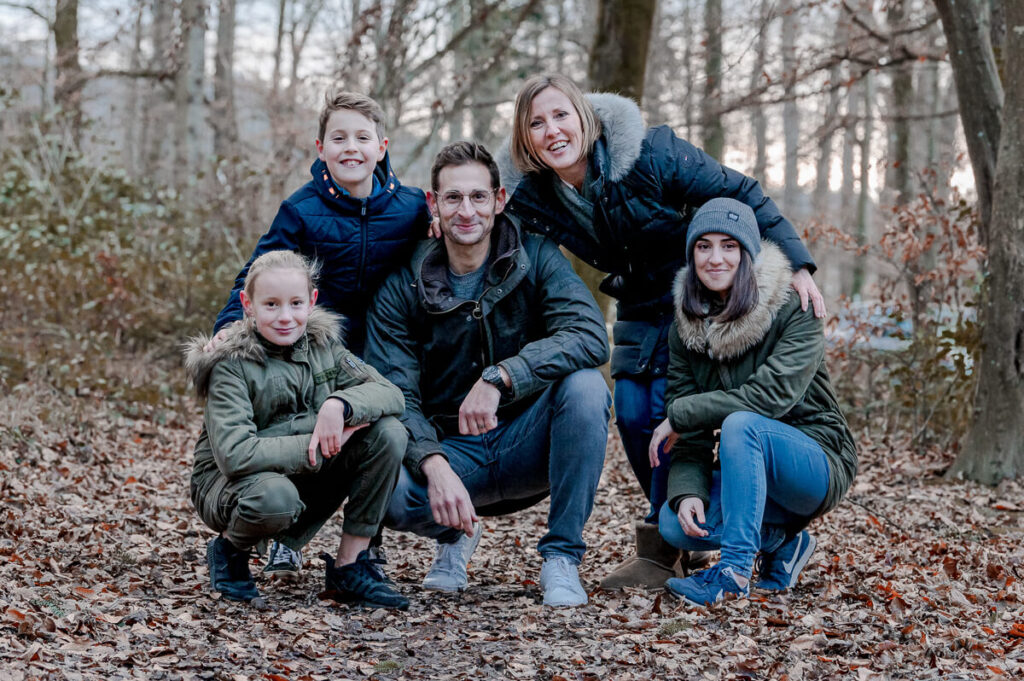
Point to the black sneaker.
(229, 571)
(361, 583)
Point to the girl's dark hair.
(742, 296)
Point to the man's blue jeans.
(639, 408)
(557, 445)
(772, 477)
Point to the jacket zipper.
(363, 224)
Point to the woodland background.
(144, 146)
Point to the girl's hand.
(690, 508)
(804, 285)
(663, 433)
(330, 431)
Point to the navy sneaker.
(361, 583)
(710, 586)
(282, 562)
(229, 571)
(781, 568)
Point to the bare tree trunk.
(188, 91)
(225, 127)
(155, 121)
(979, 90)
(618, 56)
(823, 171)
(132, 137)
(758, 121)
(275, 77)
(994, 447)
(790, 110)
(864, 195)
(897, 171)
(70, 80)
(711, 118)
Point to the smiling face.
(466, 204)
(351, 149)
(716, 257)
(280, 304)
(556, 135)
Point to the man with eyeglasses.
(495, 343)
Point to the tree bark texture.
(758, 120)
(70, 81)
(711, 117)
(901, 94)
(225, 127)
(618, 56)
(790, 110)
(188, 90)
(979, 91)
(994, 447)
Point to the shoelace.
(282, 554)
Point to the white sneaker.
(282, 561)
(560, 580)
(448, 571)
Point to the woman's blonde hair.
(523, 155)
(281, 260)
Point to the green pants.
(292, 509)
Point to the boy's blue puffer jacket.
(357, 241)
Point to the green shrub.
(99, 267)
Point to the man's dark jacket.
(535, 318)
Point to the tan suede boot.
(654, 562)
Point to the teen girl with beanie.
(744, 358)
(588, 173)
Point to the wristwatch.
(492, 375)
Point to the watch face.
(492, 374)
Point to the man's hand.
(449, 500)
(479, 411)
(219, 337)
(663, 433)
(691, 512)
(330, 432)
(804, 285)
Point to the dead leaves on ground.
(102, 574)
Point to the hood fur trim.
(322, 329)
(727, 340)
(623, 128)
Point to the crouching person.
(494, 341)
(294, 424)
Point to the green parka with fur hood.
(262, 400)
(771, 362)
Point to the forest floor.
(102, 576)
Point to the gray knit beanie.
(724, 216)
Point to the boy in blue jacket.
(355, 218)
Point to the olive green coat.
(771, 362)
(262, 400)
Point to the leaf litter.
(103, 576)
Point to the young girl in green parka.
(294, 424)
(746, 360)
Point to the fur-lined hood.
(727, 340)
(623, 130)
(323, 328)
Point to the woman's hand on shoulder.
(662, 440)
(691, 516)
(434, 230)
(804, 285)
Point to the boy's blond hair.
(338, 100)
(281, 260)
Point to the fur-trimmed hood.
(623, 130)
(727, 340)
(323, 328)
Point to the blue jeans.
(772, 477)
(556, 446)
(639, 408)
